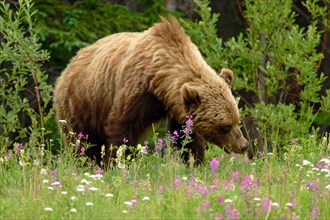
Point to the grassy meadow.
(35, 184)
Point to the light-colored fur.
(116, 87)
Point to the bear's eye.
(225, 129)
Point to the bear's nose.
(245, 147)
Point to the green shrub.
(275, 63)
(24, 92)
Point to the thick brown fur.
(118, 86)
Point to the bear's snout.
(245, 146)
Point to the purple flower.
(261, 154)
(8, 156)
(319, 165)
(189, 122)
(188, 127)
(18, 148)
(202, 190)
(175, 133)
(134, 201)
(234, 214)
(221, 199)
(214, 164)
(82, 151)
(146, 143)
(99, 171)
(312, 186)
(125, 140)
(235, 175)
(159, 145)
(206, 204)
(265, 204)
(217, 216)
(161, 189)
(246, 159)
(228, 185)
(247, 184)
(81, 136)
(177, 182)
(314, 213)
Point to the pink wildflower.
(82, 151)
(8, 156)
(125, 140)
(99, 171)
(18, 148)
(134, 201)
(314, 213)
(265, 204)
(234, 214)
(228, 185)
(217, 216)
(206, 204)
(221, 199)
(81, 136)
(261, 154)
(235, 175)
(214, 164)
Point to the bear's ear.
(191, 97)
(228, 76)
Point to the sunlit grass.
(290, 186)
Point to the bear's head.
(215, 111)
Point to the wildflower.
(228, 185)
(246, 159)
(275, 204)
(234, 214)
(270, 154)
(8, 156)
(257, 199)
(64, 193)
(56, 183)
(125, 140)
(228, 201)
(217, 216)
(189, 122)
(159, 145)
(289, 204)
(221, 199)
(45, 181)
(99, 171)
(206, 204)
(161, 189)
(328, 187)
(314, 213)
(22, 163)
(319, 165)
(81, 136)
(265, 204)
(125, 211)
(73, 210)
(184, 178)
(43, 171)
(146, 198)
(307, 163)
(130, 204)
(214, 164)
(202, 190)
(177, 182)
(121, 165)
(18, 147)
(176, 134)
(188, 127)
(311, 185)
(235, 175)
(85, 181)
(261, 154)
(50, 188)
(73, 198)
(109, 195)
(93, 189)
(134, 201)
(82, 151)
(89, 204)
(48, 209)
(248, 183)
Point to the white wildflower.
(109, 195)
(56, 183)
(125, 211)
(45, 181)
(128, 203)
(228, 201)
(64, 193)
(325, 160)
(48, 209)
(146, 198)
(307, 163)
(73, 198)
(184, 178)
(43, 171)
(73, 210)
(50, 188)
(85, 181)
(257, 199)
(276, 204)
(89, 204)
(93, 189)
(328, 187)
(86, 174)
(120, 165)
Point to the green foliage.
(275, 63)
(64, 27)
(25, 93)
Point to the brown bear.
(118, 86)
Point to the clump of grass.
(154, 186)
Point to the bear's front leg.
(195, 148)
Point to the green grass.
(154, 187)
